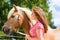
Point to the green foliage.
(49, 17)
(1, 33)
(3, 12)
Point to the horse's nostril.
(6, 29)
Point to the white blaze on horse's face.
(15, 19)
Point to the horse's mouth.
(9, 33)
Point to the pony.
(18, 17)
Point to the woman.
(38, 24)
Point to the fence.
(12, 38)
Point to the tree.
(4, 7)
(49, 17)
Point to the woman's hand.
(28, 37)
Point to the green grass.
(1, 33)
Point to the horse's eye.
(12, 16)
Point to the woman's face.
(33, 16)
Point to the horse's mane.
(26, 25)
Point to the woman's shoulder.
(39, 25)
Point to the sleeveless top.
(38, 25)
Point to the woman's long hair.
(41, 17)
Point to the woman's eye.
(12, 16)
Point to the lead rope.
(23, 34)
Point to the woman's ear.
(14, 6)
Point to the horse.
(17, 17)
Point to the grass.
(1, 33)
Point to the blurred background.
(50, 7)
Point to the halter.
(18, 18)
(18, 23)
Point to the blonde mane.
(18, 8)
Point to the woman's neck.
(33, 22)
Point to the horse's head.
(14, 20)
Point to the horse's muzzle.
(6, 30)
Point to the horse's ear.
(15, 7)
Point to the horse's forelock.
(10, 13)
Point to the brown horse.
(17, 17)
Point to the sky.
(55, 7)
